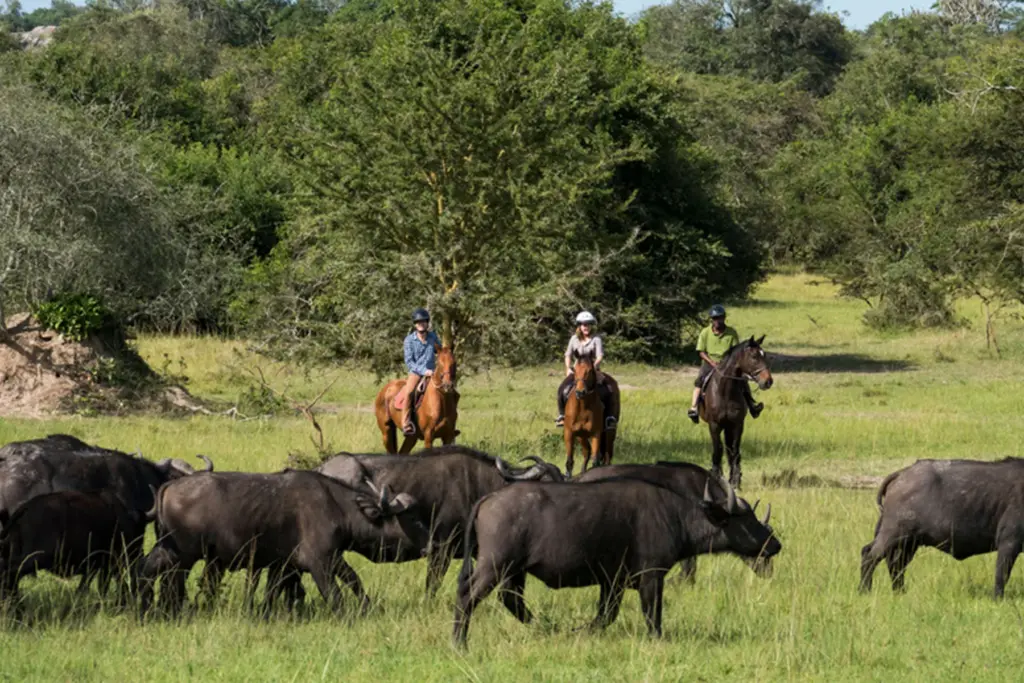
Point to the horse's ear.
(752, 342)
(576, 354)
(437, 348)
(760, 340)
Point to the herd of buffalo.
(81, 510)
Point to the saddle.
(417, 396)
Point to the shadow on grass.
(837, 362)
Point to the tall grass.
(847, 404)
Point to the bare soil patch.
(42, 373)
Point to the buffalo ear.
(369, 507)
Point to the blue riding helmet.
(420, 315)
(717, 311)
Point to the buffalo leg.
(716, 450)
(1005, 559)
(438, 561)
(327, 586)
(608, 604)
(512, 597)
(651, 590)
(480, 584)
(688, 571)
(344, 571)
(869, 561)
(733, 437)
(897, 560)
(209, 582)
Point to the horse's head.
(751, 361)
(584, 374)
(444, 370)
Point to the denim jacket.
(420, 356)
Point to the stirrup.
(694, 415)
(610, 422)
(560, 421)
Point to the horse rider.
(420, 359)
(582, 342)
(713, 342)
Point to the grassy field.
(848, 405)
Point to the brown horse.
(584, 416)
(435, 415)
(724, 407)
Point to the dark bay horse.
(435, 415)
(724, 407)
(584, 416)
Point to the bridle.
(587, 389)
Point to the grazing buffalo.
(289, 522)
(961, 507)
(446, 481)
(68, 533)
(64, 463)
(616, 533)
(685, 479)
(61, 462)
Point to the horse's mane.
(735, 347)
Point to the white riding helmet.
(586, 318)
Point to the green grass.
(847, 403)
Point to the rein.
(749, 376)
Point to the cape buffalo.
(446, 481)
(616, 533)
(289, 522)
(961, 507)
(68, 533)
(61, 462)
(686, 479)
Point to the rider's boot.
(693, 413)
(408, 428)
(755, 409)
(560, 421)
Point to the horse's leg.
(407, 443)
(609, 447)
(594, 450)
(716, 449)
(570, 446)
(733, 436)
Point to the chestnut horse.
(584, 417)
(724, 407)
(435, 416)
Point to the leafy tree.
(765, 40)
(504, 165)
(78, 214)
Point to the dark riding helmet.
(420, 315)
(717, 311)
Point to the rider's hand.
(568, 372)
(428, 373)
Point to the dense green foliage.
(309, 172)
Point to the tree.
(764, 40)
(502, 164)
(78, 214)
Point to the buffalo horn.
(731, 505)
(768, 514)
(500, 464)
(151, 513)
(756, 503)
(707, 492)
(382, 496)
(209, 463)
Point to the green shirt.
(716, 345)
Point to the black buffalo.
(64, 463)
(68, 533)
(446, 481)
(288, 522)
(616, 533)
(686, 479)
(961, 507)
